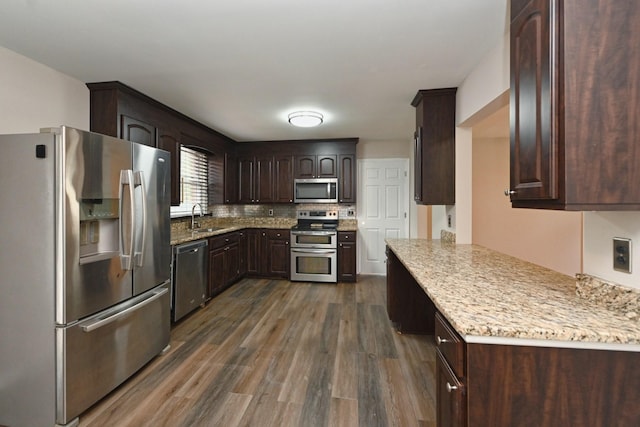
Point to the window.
(200, 179)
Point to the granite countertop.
(348, 225)
(492, 298)
(181, 234)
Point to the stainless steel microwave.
(317, 190)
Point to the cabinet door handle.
(508, 192)
(441, 340)
(450, 387)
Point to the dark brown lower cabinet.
(254, 251)
(242, 253)
(216, 266)
(277, 253)
(408, 306)
(449, 395)
(346, 256)
(224, 262)
(548, 386)
(450, 373)
(268, 253)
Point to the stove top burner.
(316, 220)
(314, 226)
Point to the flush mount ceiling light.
(305, 119)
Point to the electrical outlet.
(622, 254)
(270, 212)
(449, 221)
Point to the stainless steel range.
(314, 246)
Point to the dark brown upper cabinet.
(347, 178)
(137, 131)
(308, 166)
(120, 111)
(267, 169)
(230, 177)
(434, 147)
(252, 172)
(255, 179)
(283, 179)
(574, 105)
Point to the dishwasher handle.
(191, 247)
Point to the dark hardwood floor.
(277, 353)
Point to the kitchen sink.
(206, 230)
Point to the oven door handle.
(314, 251)
(313, 233)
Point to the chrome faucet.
(195, 224)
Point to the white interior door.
(383, 207)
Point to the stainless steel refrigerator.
(84, 270)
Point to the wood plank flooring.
(277, 353)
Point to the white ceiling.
(239, 66)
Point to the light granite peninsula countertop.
(492, 298)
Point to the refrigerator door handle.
(109, 319)
(139, 181)
(126, 179)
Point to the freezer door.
(96, 355)
(152, 247)
(94, 223)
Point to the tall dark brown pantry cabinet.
(575, 104)
(434, 147)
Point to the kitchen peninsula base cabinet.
(551, 383)
(508, 385)
(544, 386)
(409, 308)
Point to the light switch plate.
(622, 254)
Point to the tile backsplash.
(262, 211)
(279, 211)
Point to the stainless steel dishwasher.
(190, 263)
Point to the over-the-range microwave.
(317, 190)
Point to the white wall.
(599, 230)
(383, 149)
(480, 94)
(33, 96)
(549, 238)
